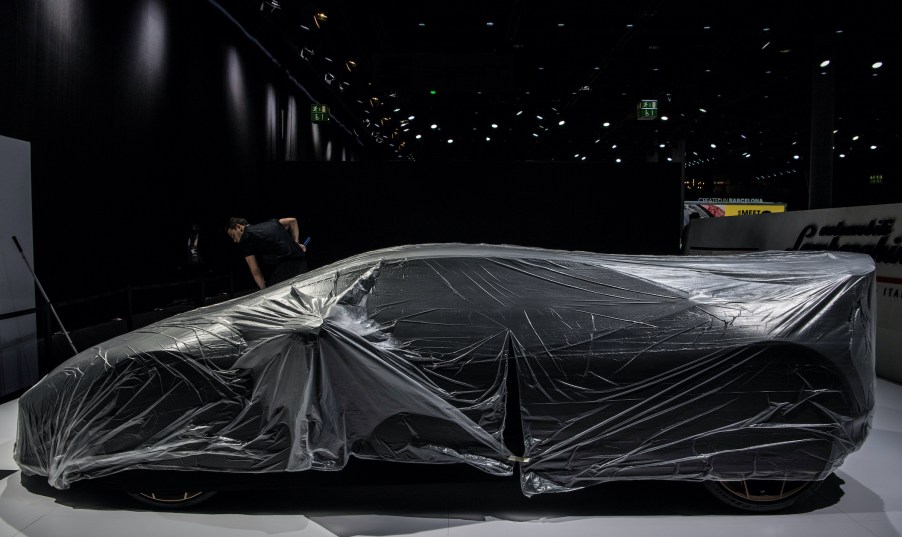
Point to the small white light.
(561, 122)
(669, 159)
(842, 155)
(877, 65)
(606, 124)
(576, 155)
(450, 140)
(539, 117)
(713, 146)
(795, 157)
(422, 24)
(490, 24)
(494, 125)
(825, 63)
(520, 112)
(487, 139)
(854, 137)
(411, 118)
(560, 25)
(419, 136)
(536, 135)
(598, 140)
(873, 147)
(618, 160)
(614, 146)
(660, 145)
(433, 126)
(584, 158)
(702, 110)
(664, 118)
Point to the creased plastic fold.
(625, 367)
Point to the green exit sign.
(319, 113)
(647, 109)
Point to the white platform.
(863, 498)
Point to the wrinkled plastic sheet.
(625, 367)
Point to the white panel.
(18, 335)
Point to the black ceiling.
(735, 75)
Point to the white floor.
(863, 498)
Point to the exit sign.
(647, 109)
(319, 113)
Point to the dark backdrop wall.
(148, 116)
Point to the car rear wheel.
(762, 495)
(172, 500)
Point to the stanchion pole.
(47, 299)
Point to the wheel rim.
(170, 497)
(762, 491)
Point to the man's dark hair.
(235, 222)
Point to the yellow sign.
(730, 209)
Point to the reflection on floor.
(863, 498)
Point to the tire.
(761, 496)
(172, 500)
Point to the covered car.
(746, 372)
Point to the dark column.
(820, 174)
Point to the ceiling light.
(536, 135)
(842, 155)
(617, 160)
(539, 117)
(702, 110)
(873, 147)
(661, 145)
(433, 126)
(487, 139)
(520, 112)
(606, 124)
(765, 45)
(854, 137)
(825, 63)
(706, 27)
(614, 146)
(795, 157)
(561, 122)
(494, 125)
(629, 25)
(421, 25)
(877, 65)
(664, 118)
(669, 159)
(411, 118)
(490, 24)
(418, 136)
(713, 146)
(397, 110)
(560, 25)
(576, 155)
(584, 158)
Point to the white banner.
(873, 229)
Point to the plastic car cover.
(627, 367)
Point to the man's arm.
(291, 224)
(255, 271)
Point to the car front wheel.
(761, 495)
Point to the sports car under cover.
(750, 366)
